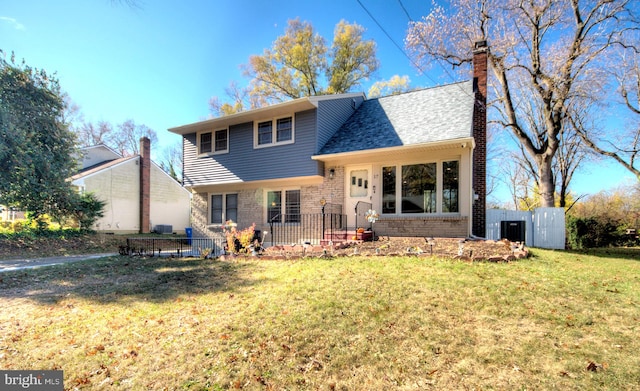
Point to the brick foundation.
(441, 227)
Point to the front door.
(358, 195)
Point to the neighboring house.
(11, 214)
(416, 158)
(139, 195)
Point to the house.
(139, 195)
(8, 213)
(417, 158)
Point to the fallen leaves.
(595, 367)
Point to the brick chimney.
(145, 184)
(478, 225)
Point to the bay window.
(450, 173)
(388, 190)
(416, 189)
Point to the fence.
(179, 247)
(308, 228)
(544, 227)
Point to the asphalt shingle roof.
(100, 166)
(423, 116)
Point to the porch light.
(332, 173)
(323, 202)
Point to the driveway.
(30, 263)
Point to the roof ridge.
(423, 89)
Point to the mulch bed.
(461, 249)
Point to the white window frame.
(213, 142)
(199, 142)
(224, 207)
(439, 188)
(283, 205)
(274, 132)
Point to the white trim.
(135, 158)
(283, 201)
(99, 146)
(296, 105)
(224, 208)
(274, 132)
(439, 188)
(461, 143)
(213, 143)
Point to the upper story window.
(205, 142)
(273, 132)
(214, 142)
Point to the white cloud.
(11, 21)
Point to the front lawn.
(557, 320)
(54, 243)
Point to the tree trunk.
(547, 182)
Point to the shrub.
(89, 210)
(20, 225)
(246, 236)
(238, 240)
(589, 232)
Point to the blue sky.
(159, 64)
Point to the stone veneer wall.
(251, 210)
(199, 210)
(331, 190)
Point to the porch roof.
(433, 115)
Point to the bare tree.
(571, 153)
(89, 134)
(516, 178)
(625, 147)
(126, 140)
(548, 52)
(240, 99)
(171, 161)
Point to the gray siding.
(244, 163)
(331, 115)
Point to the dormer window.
(214, 142)
(273, 132)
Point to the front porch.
(320, 229)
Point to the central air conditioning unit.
(164, 229)
(513, 231)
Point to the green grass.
(347, 323)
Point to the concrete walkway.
(30, 263)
